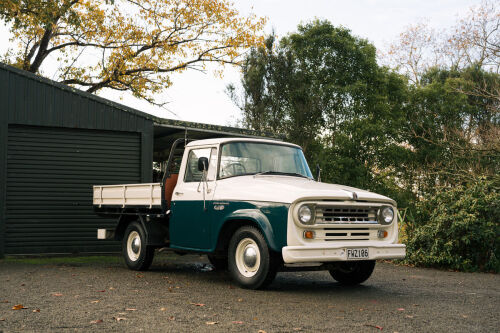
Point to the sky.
(199, 97)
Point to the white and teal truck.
(253, 207)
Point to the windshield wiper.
(281, 173)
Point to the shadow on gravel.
(307, 283)
(187, 267)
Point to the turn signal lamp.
(309, 234)
(382, 234)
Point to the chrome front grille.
(346, 215)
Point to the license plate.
(357, 253)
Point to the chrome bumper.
(337, 252)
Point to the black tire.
(350, 273)
(249, 274)
(140, 256)
(219, 262)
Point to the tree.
(473, 41)
(453, 110)
(261, 84)
(453, 135)
(430, 139)
(414, 51)
(125, 45)
(321, 88)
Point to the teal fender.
(271, 218)
(255, 215)
(194, 228)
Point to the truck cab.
(253, 206)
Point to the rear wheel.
(350, 273)
(138, 256)
(251, 263)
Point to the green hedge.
(457, 228)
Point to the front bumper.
(337, 252)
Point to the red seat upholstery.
(170, 183)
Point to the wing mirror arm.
(318, 173)
(203, 167)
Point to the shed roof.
(158, 122)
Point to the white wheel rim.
(246, 247)
(134, 243)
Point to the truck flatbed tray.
(127, 195)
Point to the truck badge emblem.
(218, 207)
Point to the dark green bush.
(457, 228)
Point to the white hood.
(287, 189)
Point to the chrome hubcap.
(247, 257)
(134, 246)
(250, 257)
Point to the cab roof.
(217, 141)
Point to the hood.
(287, 189)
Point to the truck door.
(190, 217)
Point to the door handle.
(179, 193)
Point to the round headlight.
(387, 215)
(305, 214)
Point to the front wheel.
(353, 272)
(138, 256)
(251, 263)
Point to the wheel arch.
(123, 222)
(245, 217)
(156, 233)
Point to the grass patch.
(160, 258)
(112, 259)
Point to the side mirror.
(202, 164)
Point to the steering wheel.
(235, 166)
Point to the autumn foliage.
(125, 44)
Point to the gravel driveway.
(184, 294)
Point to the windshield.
(249, 158)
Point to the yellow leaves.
(134, 46)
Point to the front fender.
(256, 216)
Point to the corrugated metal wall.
(50, 173)
(65, 125)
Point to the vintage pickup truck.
(253, 206)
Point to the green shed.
(55, 143)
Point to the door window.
(192, 173)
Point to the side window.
(192, 172)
